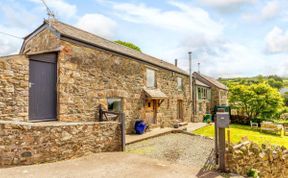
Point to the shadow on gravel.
(208, 170)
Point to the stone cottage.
(208, 93)
(63, 74)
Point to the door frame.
(49, 57)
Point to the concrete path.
(194, 126)
(107, 165)
(161, 131)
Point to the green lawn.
(239, 131)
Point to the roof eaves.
(207, 80)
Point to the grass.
(237, 132)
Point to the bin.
(207, 117)
(140, 127)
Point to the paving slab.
(155, 132)
(107, 165)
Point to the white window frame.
(180, 85)
(152, 73)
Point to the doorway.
(180, 110)
(151, 111)
(42, 87)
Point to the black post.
(216, 139)
(123, 130)
(100, 113)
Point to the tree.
(256, 100)
(129, 45)
(275, 77)
(275, 83)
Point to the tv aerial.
(50, 13)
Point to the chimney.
(176, 62)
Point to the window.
(203, 93)
(200, 107)
(179, 83)
(150, 77)
(199, 93)
(114, 104)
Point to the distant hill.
(273, 80)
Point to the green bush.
(253, 173)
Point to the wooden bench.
(271, 127)
(285, 127)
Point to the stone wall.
(218, 97)
(24, 143)
(271, 162)
(46, 40)
(87, 76)
(14, 91)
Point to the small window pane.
(114, 104)
(199, 93)
(151, 78)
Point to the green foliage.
(129, 45)
(273, 80)
(275, 83)
(253, 173)
(256, 100)
(285, 96)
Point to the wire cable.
(4, 33)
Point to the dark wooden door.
(42, 87)
(180, 110)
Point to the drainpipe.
(190, 73)
(190, 82)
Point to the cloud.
(226, 3)
(14, 15)
(277, 41)
(10, 45)
(61, 8)
(185, 19)
(270, 10)
(225, 58)
(97, 24)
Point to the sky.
(229, 38)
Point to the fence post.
(123, 130)
(222, 148)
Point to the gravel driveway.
(178, 148)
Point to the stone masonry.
(14, 76)
(23, 143)
(270, 161)
(87, 76)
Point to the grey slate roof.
(210, 80)
(199, 83)
(69, 31)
